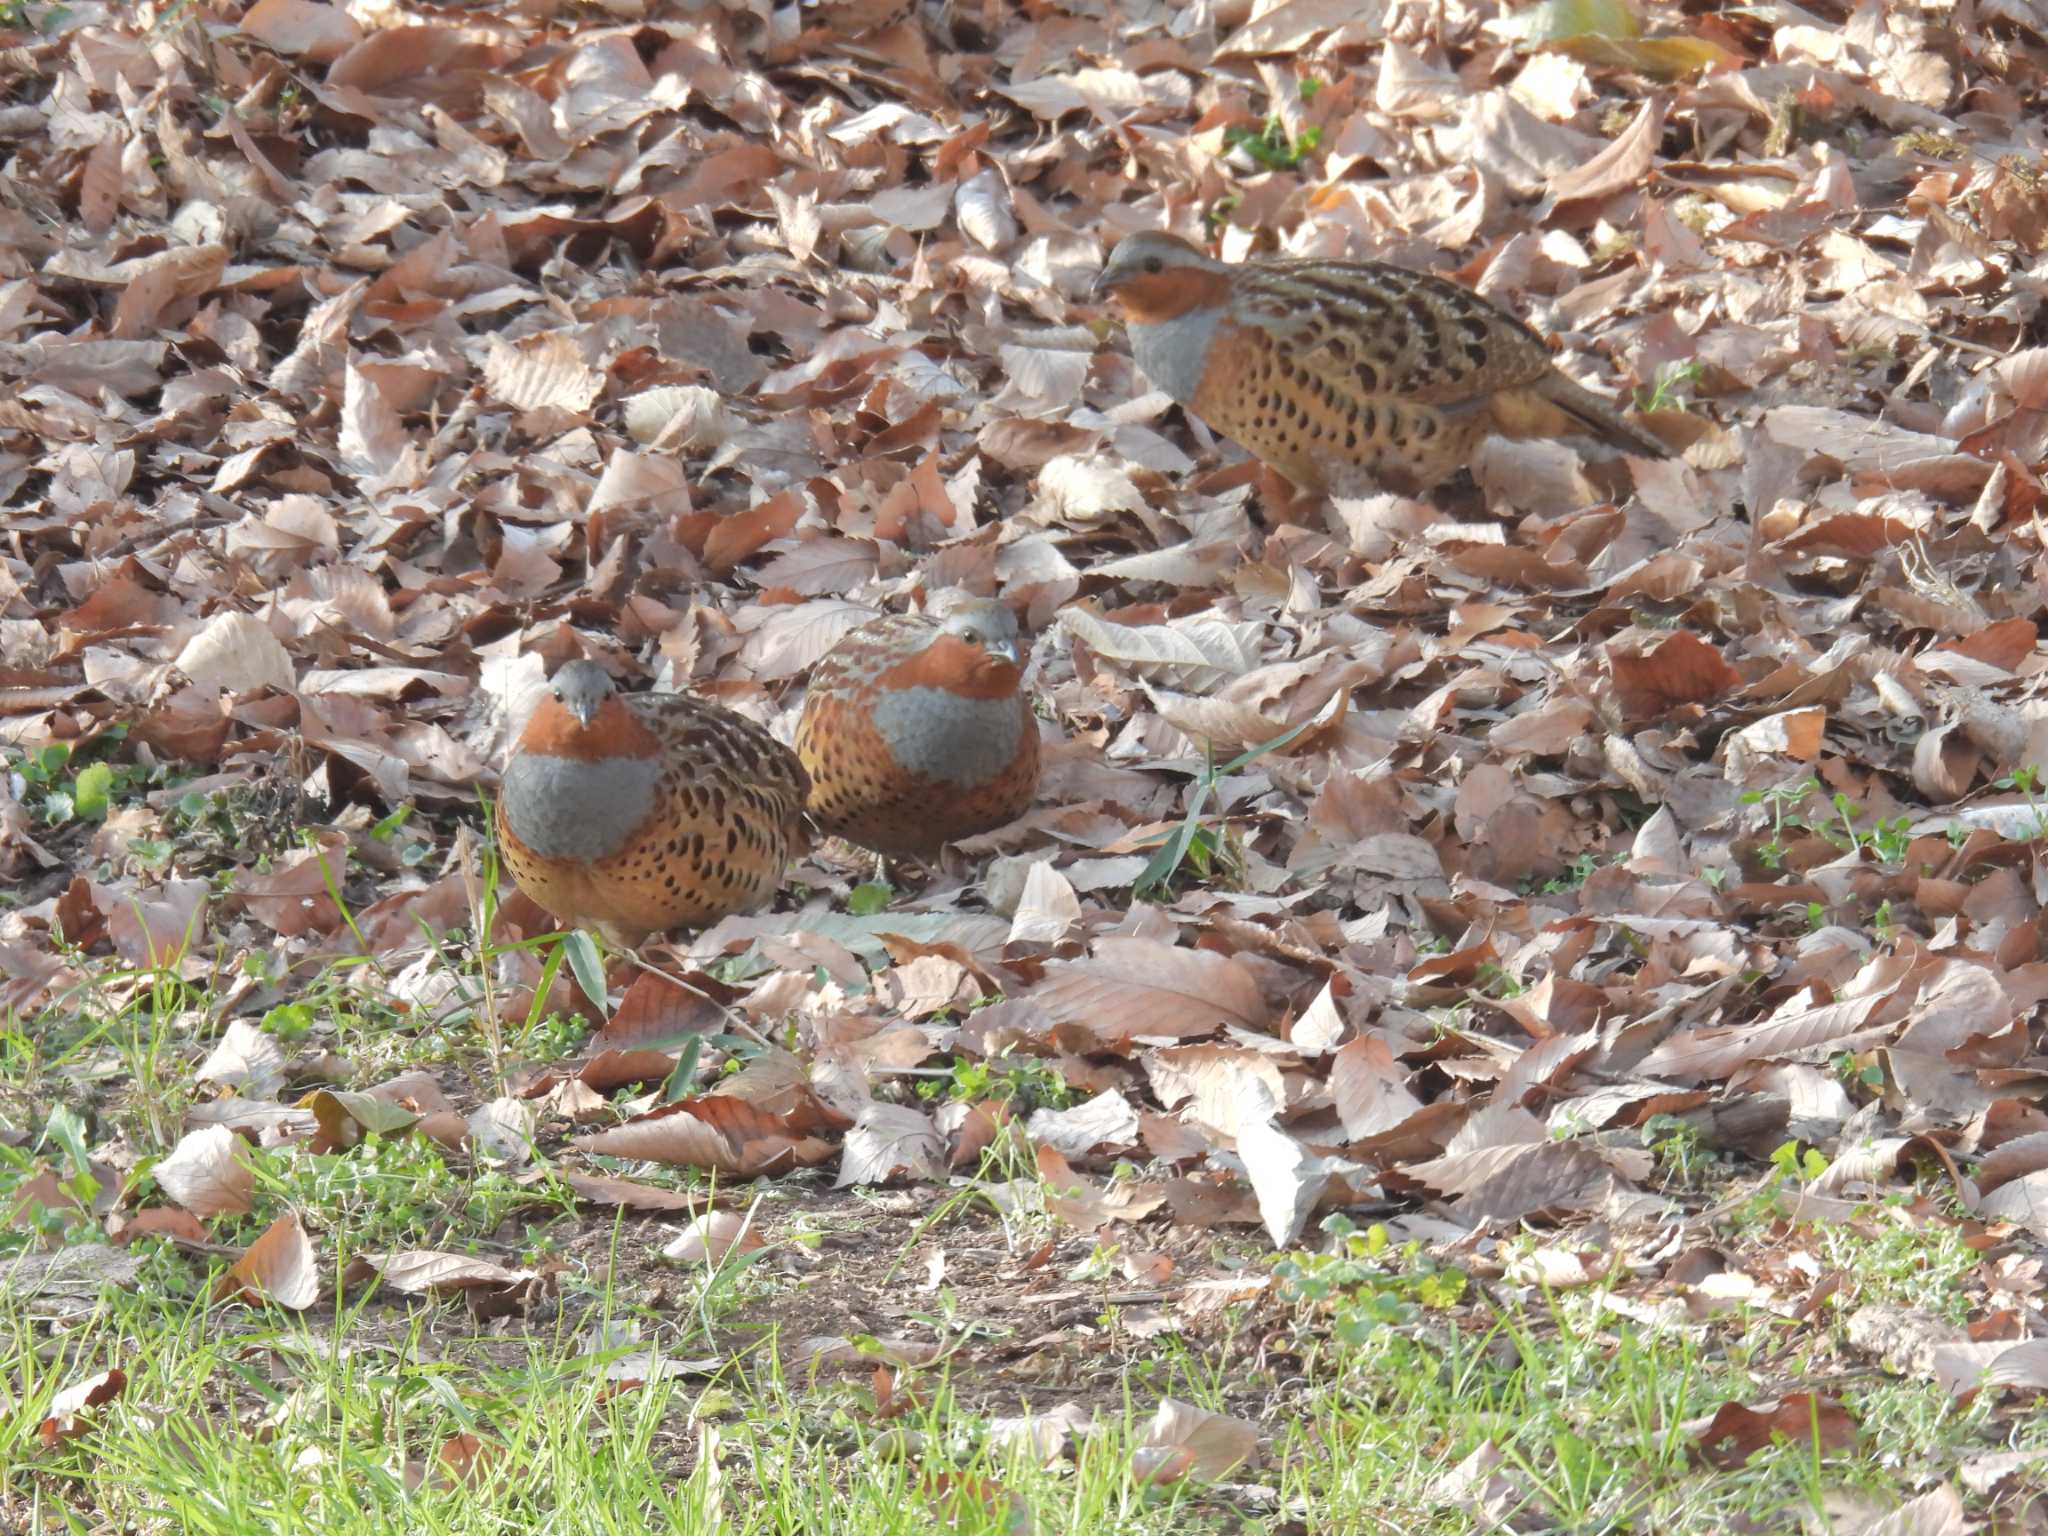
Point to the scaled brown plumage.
(638, 813)
(1346, 378)
(916, 732)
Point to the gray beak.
(1102, 286)
(585, 711)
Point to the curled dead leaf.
(279, 1268)
(70, 1412)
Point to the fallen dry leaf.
(712, 1237)
(1185, 1441)
(70, 1409)
(280, 1268)
(1736, 1431)
(209, 1173)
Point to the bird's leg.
(1283, 503)
(1463, 497)
(890, 871)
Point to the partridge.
(1345, 377)
(915, 731)
(637, 813)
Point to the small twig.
(739, 1023)
(480, 924)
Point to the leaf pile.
(360, 369)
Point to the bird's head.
(581, 687)
(987, 625)
(1156, 277)
(975, 653)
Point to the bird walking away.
(1346, 378)
(917, 732)
(637, 813)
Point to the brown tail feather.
(1599, 418)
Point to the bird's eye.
(1154, 264)
(972, 636)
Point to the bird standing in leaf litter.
(1346, 378)
(916, 731)
(637, 813)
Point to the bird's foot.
(1284, 502)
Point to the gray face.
(1147, 252)
(1171, 354)
(988, 624)
(582, 687)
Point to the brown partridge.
(915, 731)
(637, 813)
(1346, 378)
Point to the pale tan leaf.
(1285, 1176)
(678, 417)
(420, 1271)
(503, 1129)
(1105, 1122)
(247, 1060)
(1289, 27)
(1111, 92)
(209, 1173)
(1087, 489)
(1046, 908)
(542, 371)
(71, 1408)
(1193, 655)
(888, 1140)
(1519, 1181)
(372, 441)
(1224, 1088)
(315, 32)
(1198, 1442)
(1134, 987)
(238, 653)
(1937, 1512)
(724, 1134)
(1369, 1089)
(982, 205)
(713, 1237)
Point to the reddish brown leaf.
(1681, 670)
(1736, 1432)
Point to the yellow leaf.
(1559, 21)
(1659, 58)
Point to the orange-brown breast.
(1153, 298)
(1353, 378)
(951, 664)
(614, 732)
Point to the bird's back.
(1354, 377)
(721, 767)
(1383, 331)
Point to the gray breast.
(939, 735)
(562, 808)
(1173, 354)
